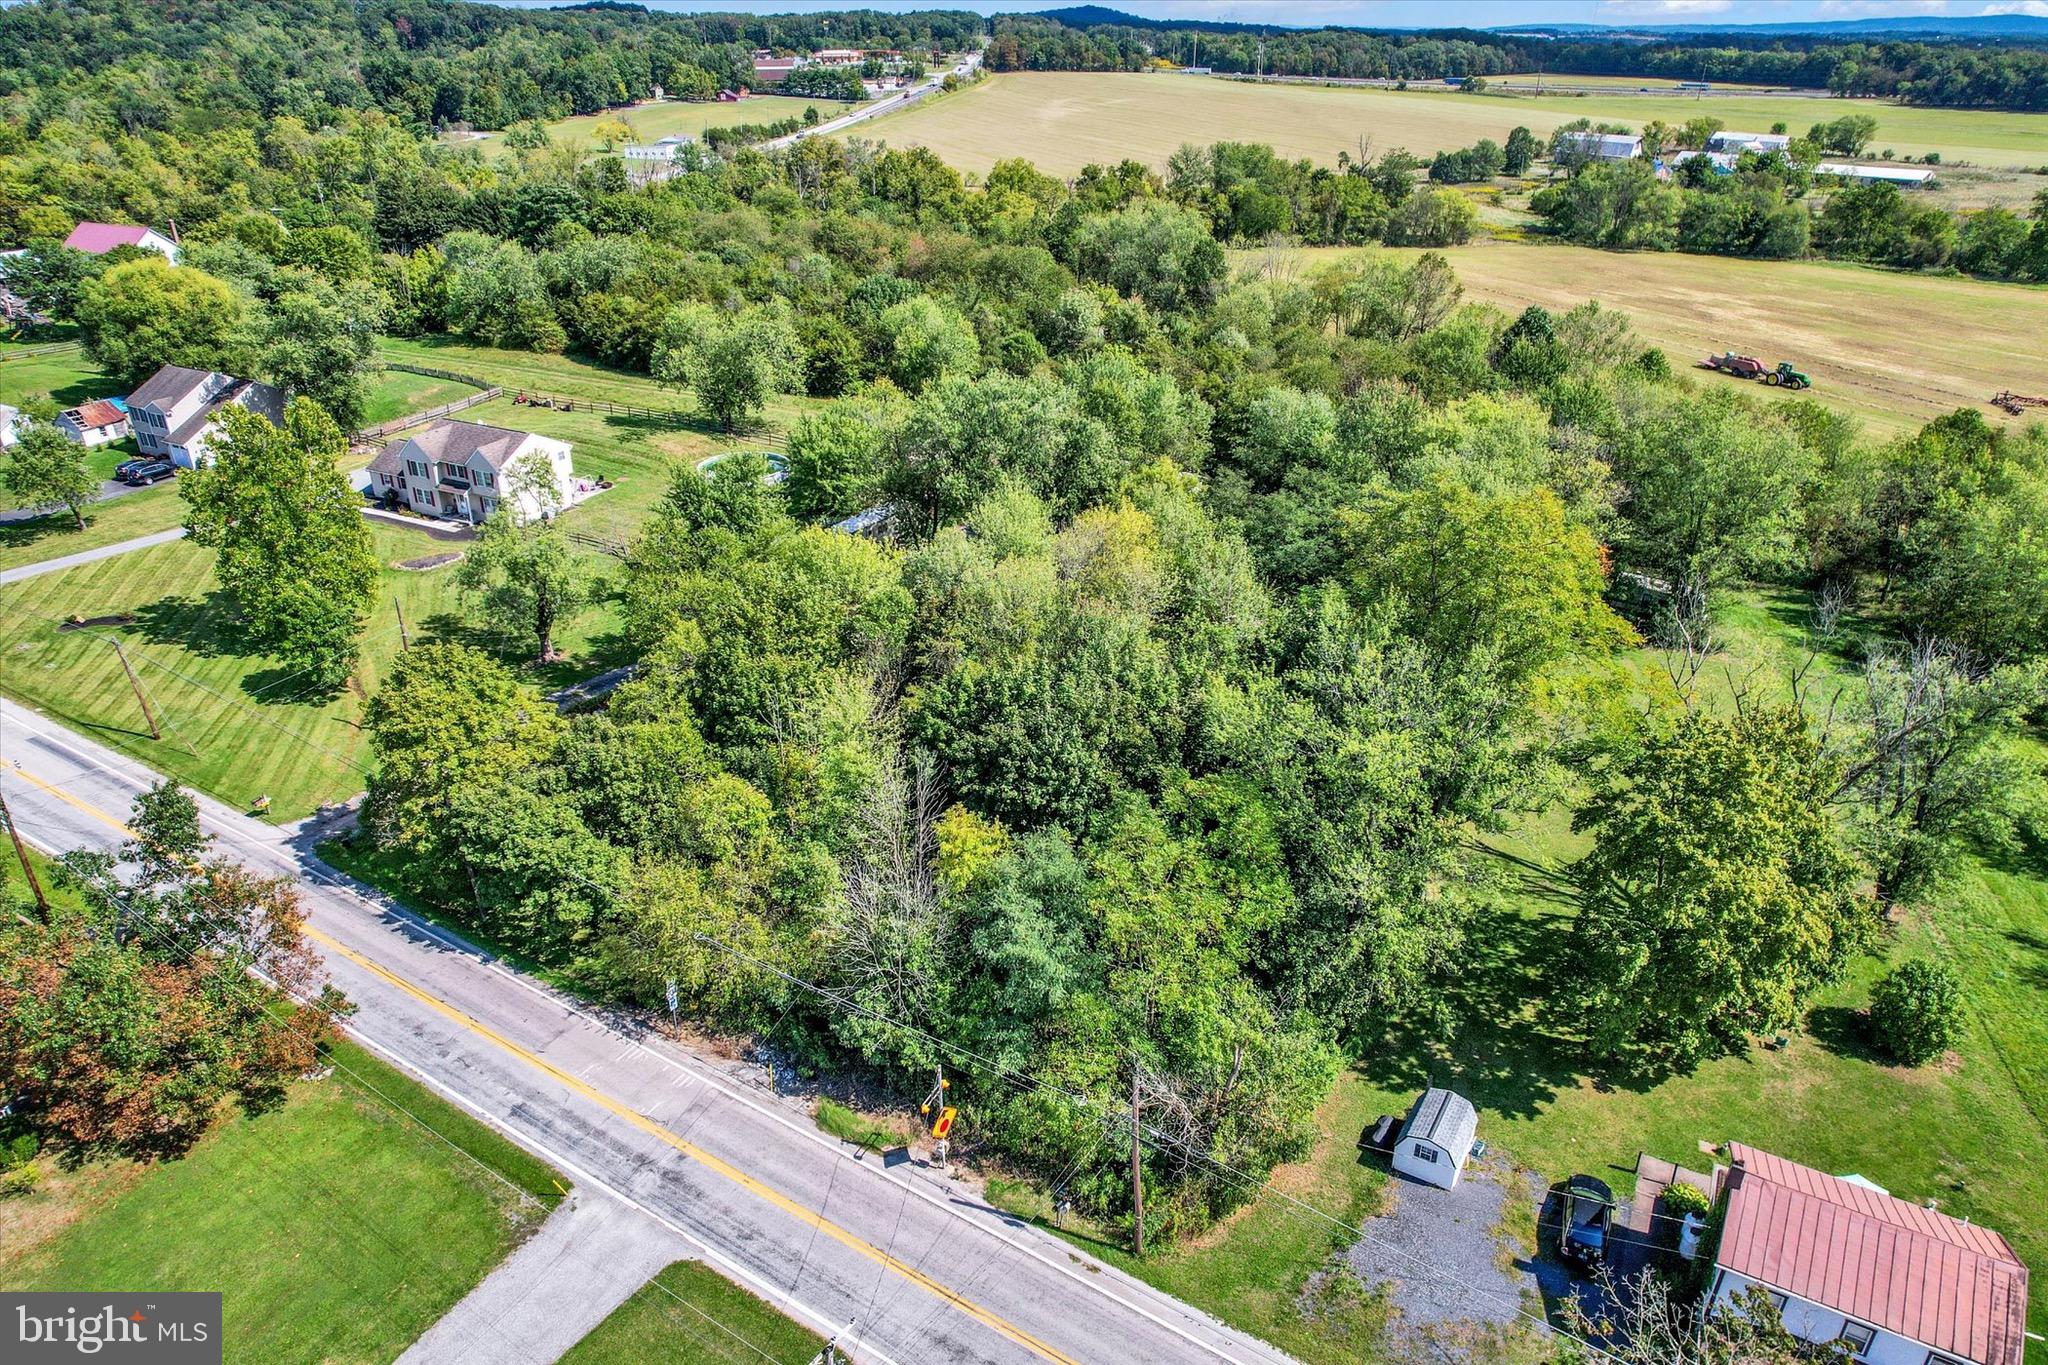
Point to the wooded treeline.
(1955, 74)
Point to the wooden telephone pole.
(28, 870)
(136, 683)
(1137, 1170)
(404, 639)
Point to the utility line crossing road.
(900, 1265)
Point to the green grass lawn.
(235, 725)
(641, 454)
(56, 534)
(689, 1314)
(850, 1125)
(337, 1227)
(395, 393)
(66, 376)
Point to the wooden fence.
(371, 435)
(31, 352)
(564, 403)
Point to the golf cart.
(1588, 1217)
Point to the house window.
(1778, 1302)
(1426, 1153)
(1934, 1358)
(1857, 1338)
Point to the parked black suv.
(1588, 1217)
(146, 470)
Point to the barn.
(1437, 1138)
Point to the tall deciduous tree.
(294, 552)
(731, 362)
(526, 577)
(1718, 895)
(148, 313)
(45, 471)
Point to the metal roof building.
(1437, 1138)
(1844, 1261)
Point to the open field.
(66, 376)
(692, 1315)
(1893, 349)
(1063, 120)
(659, 119)
(394, 393)
(336, 1228)
(235, 725)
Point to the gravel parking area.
(1440, 1251)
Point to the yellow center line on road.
(737, 1176)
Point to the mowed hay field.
(1895, 350)
(1063, 120)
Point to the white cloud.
(1878, 9)
(2035, 7)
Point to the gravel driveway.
(1440, 1252)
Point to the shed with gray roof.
(1437, 1138)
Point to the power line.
(360, 1084)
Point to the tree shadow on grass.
(51, 526)
(1846, 1033)
(207, 627)
(2033, 969)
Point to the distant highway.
(896, 103)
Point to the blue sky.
(1428, 13)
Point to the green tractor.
(1785, 377)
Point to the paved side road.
(112, 488)
(592, 1254)
(119, 547)
(901, 1265)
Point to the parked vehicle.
(1380, 1136)
(1588, 1217)
(139, 473)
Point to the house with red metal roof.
(97, 239)
(1845, 1261)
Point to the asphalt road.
(900, 1264)
(72, 561)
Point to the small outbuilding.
(1437, 1138)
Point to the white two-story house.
(465, 470)
(177, 411)
(1842, 1260)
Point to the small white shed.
(1437, 1138)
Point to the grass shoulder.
(689, 1314)
(337, 1226)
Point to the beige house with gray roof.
(463, 470)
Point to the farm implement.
(1781, 376)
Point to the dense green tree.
(147, 313)
(1917, 1010)
(923, 340)
(292, 552)
(732, 363)
(1718, 896)
(44, 470)
(524, 575)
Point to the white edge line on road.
(694, 1069)
(732, 1269)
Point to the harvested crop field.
(1895, 350)
(1063, 120)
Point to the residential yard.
(394, 393)
(1896, 350)
(1829, 1100)
(1063, 120)
(234, 725)
(141, 513)
(689, 1314)
(66, 376)
(642, 454)
(337, 1227)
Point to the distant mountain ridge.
(1981, 26)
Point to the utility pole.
(1137, 1170)
(27, 868)
(136, 683)
(404, 639)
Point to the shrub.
(1682, 1198)
(1916, 1011)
